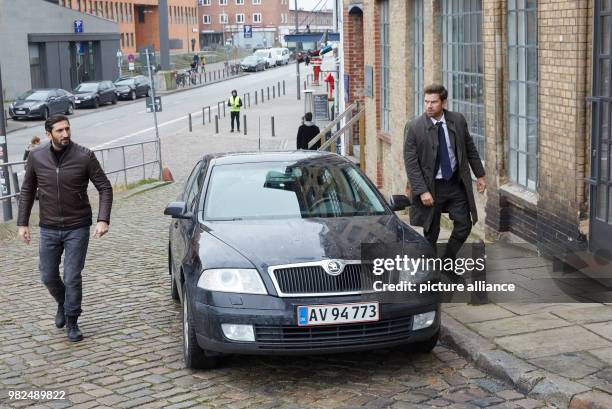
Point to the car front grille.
(325, 336)
(313, 279)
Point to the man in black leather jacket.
(61, 170)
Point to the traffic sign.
(131, 57)
(131, 66)
(78, 26)
(158, 104)
(248, 31)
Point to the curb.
(144, 188)
(528, 379)
(177, 90)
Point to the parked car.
(41, 103)
(258, 241)
(253, 63)
(132, 87)
(267, 56)
(281, 56)
(92, 94)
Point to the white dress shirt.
(451, 152)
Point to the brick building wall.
(182, 20)
(353, 58)
(551, 216)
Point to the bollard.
(273, 92)
(209, 114)
(304, 84)
(244, 124)
(262, 96)
(244, 100)
(279, 89)
(273, 126)
(283, 87)
(224, 110)
(255, 97)
(190, 124)
(203, 116)
(268, 93)
(216, 123)
(15, 182)
(249, 98)
(200, 78)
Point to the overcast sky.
(310, 4)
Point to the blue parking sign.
(78, 26)
(248, 31)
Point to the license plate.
(309, 315)
(77, 101)
(20, 112)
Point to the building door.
(601, 137)
(82, 62)
(37, 74)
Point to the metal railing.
(118, 162)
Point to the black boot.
(60, 318)
(74, 333)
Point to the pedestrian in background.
(438, 153)
(34, 143)
(235, 103)
(306, 132)
(61, 171)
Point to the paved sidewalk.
(549, 339)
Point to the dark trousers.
(450, 197)
(73, 243)
(235, 116)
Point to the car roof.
(229, 158)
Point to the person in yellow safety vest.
(235, 103)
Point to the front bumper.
(84, 103)
(25, 112)
(276, 331)
(124, 94)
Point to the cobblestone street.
(132, 356)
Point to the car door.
(110, 91)
(141, 86)
(64, 100)
(180, 228)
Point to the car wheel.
(114, 100)
(173, 287)
(70, 109)
(148, 92)
(45, 114)
(428, 345)
(195, 357)
(133, 95)
(96, 103)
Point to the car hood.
(124, 88)
(301, 240)
(84, 93)
(22, 103)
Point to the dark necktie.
(445, 163)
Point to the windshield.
(250, 59)
(262, 53)
(34, 95)
(87, 87)
(287, 190)
(127, 81)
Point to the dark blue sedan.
(265, 254)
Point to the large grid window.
(462, 66)
(418, 57)
(385, 52)
(523, 93)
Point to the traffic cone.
(167, 175)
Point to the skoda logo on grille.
(334, 268)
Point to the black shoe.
(238, 130)
(74, 333)
(60, 318)
(232, 130)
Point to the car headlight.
(232, 280)
(87, 97)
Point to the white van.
(266, 54)
(281, 55)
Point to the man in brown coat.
(61, 170)
(438, 154)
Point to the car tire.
(96, 103)
(148, 94)
(114, 100)
(70, 109)
(194, 356)
(45, 114)
(428, 345)
(133, 95)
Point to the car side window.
(197, 188)
(191, 186)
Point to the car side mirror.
(178, 211)
(398, 202)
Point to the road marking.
(142, 131)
